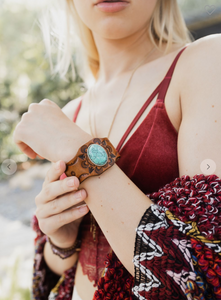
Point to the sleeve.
(178, 242)
(45, 283)
(177, 253)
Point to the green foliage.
(25, 75)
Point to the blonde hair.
(166, 26)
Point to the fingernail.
(71, 182)
(83, 193)
(57, 165)
(78, 195)
(83, 208)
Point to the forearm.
(115, 201)
(117, 205)
(55, 263)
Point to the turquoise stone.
(97, 154)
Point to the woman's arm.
(115, 201)
(56, 264)
(50, 270)
(44, 281)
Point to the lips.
(111, 6)
(101, 1)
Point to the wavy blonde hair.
(73, 36)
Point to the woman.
(132, 48)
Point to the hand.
(47, 132)
(57, 210)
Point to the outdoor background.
(25, 77)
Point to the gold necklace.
(93, 221)
(122, 99)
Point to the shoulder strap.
(136, 118)
(77, 110)
(166, 81)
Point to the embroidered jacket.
(177, 252)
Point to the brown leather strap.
(82, 167)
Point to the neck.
(120, 56)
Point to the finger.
(57, 188)
(27, 150)
(47, 102)
(53, 223)
(55, 171)
(61, 204)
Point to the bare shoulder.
(200, 90)
(202, 51)
(70, 108)
(199, 68)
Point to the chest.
(100, 117)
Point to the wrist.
(59, 244)
(71, 144)
(92, 159)
(55, 263)
(64, 253)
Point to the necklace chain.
(122, 99)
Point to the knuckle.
(37, 199)
(47, 191)
(64, 186)
(74, 214)
(32, 106)
(69, 199)
(43, 225)
(47, 178)
(46, 101)
(53, 166)
(24, 116)
(21, 132)
(37, 212)
(54, 205)
(15, 132)
(61, 219)
(44, 184)
(13, 136)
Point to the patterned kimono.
(177, 252)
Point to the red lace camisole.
(148, 158)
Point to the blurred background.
(25, 77)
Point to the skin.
(192, 103)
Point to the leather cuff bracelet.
(92, 159)
(64, 252)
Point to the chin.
(115, 25)
(114, 29)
